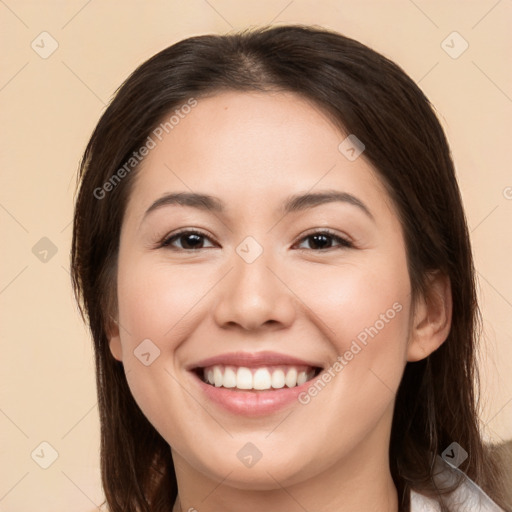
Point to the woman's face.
(256, 300)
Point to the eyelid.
(165, 242)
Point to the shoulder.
(467, 497)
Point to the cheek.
(157, 301)
(355, 300)
(157, 307)
(364, 311)
(353, 401)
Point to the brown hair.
(365, 94)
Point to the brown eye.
(190, 240)
(322, 240)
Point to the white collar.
(468, 497)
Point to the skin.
(253, 150)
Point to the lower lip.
(252, 403)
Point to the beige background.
(49, 107)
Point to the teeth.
(230, 378)
(278, 379)
(301, 378)
(217, 377)
(260, 378)
(291, 378)
(243, 378)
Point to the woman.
(270, 247)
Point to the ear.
(432, 317)
(114, 339)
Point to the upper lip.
(251, 359)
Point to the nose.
(255, 295)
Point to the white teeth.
(301, 378)
(229, 378)
(261, 378)
(244, 378)
(291, 378)
(217, 377)
(278, 379)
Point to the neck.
(352, 495)
(359, 482)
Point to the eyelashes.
(193, 241)
(181, 234)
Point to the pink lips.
(250, 359)
(251, 403)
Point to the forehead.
(251, 149)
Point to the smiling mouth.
(260, 378)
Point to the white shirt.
(468, 497)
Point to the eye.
(322, 240)
(190, 240)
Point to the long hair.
(364, 93)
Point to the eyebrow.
(294, 203)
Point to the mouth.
(254, 384)
(256, 378)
